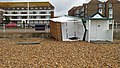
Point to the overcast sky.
(61, 6)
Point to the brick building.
(113, 10)
(71, 12)
(75, 11)
(109, 9)
(92, 7)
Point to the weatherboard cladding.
(55, 30)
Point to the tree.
(7, 20)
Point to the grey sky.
(61, 6)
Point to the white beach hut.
(99, 28)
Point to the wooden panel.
(55, 30)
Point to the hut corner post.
(89, 21)
(112, 30)
(84, 24)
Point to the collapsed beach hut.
(67, 28)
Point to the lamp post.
(27, 15)
(28, 12)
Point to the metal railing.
(22, 28)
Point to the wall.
(24, 35)
(55, 30)
(40, 20)
(80, 30)
(72, 29)
(99, 30)
(115, 7)
(93, 6)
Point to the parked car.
(11, 25)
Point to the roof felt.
(92, 17)
(24, 4)
(66, 19)
(101, 19)
(97, 13)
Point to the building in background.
(109, 9)
(92, 7)
(74, 11)
(113, 11)
(18, 12)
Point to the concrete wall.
(25, 35)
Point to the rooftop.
(24, 4)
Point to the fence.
(13, 27)
(29, 30)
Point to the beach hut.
(99, 28)
(67, 28)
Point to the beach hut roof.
(66, 19)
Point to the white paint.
(97, 16)
(98, 30)
(71, 29)
(2, 10)
(89, 27)
(65, 19)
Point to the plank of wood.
(27, 43)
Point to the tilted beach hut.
(67, 28)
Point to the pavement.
(24, 30)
